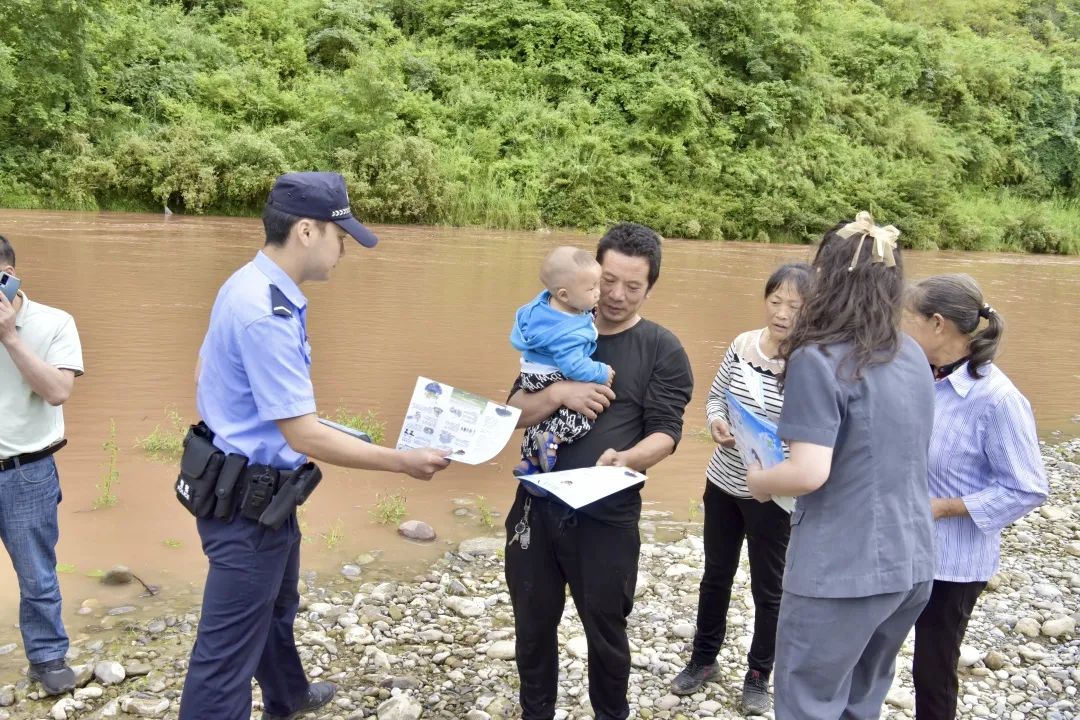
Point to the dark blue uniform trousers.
(246, 629)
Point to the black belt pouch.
(231, 471)
(200, 466)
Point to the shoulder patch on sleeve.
(279, 304)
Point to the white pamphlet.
(580, 487)
(474, 429)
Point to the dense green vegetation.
(956, 120)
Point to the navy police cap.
(319, 196)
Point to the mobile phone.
(9, 285)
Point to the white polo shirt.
(27, 422)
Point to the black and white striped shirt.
(754, 379)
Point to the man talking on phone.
(247, 465)
(40, 360)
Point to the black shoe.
(318, 694)
(693, 677)
(55, 676)
(755, 693)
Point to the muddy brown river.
(427, 301)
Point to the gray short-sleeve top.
(868, 529)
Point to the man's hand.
(589, 399)
(423, 463)
(7, 319)
(612, 457)
(721, 434)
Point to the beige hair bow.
(884, 239)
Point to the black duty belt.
(26, 458)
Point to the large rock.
(401, 707)
(900, 698)
(109, 673)
(1028, 627)
(578, 647)
(117, 575)
(144, 705)
(61, 709)
(969, 656)
(1057, 627)
(995, 660)
(465, 607)
(684, 631)
(482, 545)
(502, 650)
(416, 530)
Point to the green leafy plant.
(369, 422)
(334, 535)
(487, 517)
(65, 567)
(166, 445)
(389, 509)
(172, 543)
(111, 473)
(693, 511)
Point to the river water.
(427, 301)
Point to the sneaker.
(55, 676)
(693, 677)
(318, 694)
(755, 693)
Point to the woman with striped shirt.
(985, 471)
(751, 370)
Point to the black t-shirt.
(653, 384)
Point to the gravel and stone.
(441, 645)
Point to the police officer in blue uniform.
(255, 397)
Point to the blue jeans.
(28, 526)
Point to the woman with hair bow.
(985, 471)
(857, 415)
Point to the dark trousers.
(246, 629)
(766, 527)
(938, 633)
(599, 562)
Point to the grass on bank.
(389, 508)
(1008, 222)
(166, 445)
(110, 472)
(369, 422)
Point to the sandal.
(549, 446)
(526, 467)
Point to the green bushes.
(956, 120)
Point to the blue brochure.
(756, 440)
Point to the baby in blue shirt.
(556, 336)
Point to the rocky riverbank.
(442, 645)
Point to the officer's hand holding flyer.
(757, 441)
(474, 428)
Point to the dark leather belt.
(26, 458)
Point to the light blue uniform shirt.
(984, 450)
(256, 364)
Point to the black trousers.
(938, 633)
(766, 527)
(599, 562)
